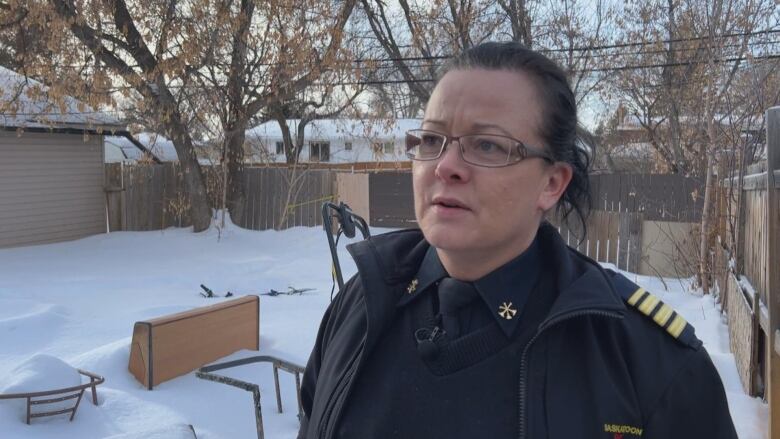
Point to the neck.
(473, 264)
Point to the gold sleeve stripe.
(663, 314)
(635, 297)
(649, 304)
(677, 326)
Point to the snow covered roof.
(160, 146)
(346, 129)
(25, 103)
(113, 153)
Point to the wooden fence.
(612, 237)
(641, 223)
(278, 198)
(152, 197)
(673, 198)
(659, 197)
(747, 275)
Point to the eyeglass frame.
(530, 152)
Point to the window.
(380, 148)
(319, 151)
(348, 146)
(280, 147)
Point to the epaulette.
(651, 306)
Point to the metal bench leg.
(94, 390)
(298, 394)
(258, 414)
(76, 407)
(278, 391)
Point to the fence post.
(630, 251)
(773, 274)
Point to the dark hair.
(564, 139)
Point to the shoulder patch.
(651, 306)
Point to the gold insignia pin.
(506, 311)
(412, 286)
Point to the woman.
(483, 323)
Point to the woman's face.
(477, 212)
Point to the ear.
(556, 180)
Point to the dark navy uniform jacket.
(609, 361)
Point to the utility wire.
(560, 50)
(429, 80)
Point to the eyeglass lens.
(481, 149)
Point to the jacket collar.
(388, 262)
(581, 282)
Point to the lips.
(447, 202)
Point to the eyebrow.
(434, 121)
(485, 125)
(477, 126)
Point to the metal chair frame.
(75, 392)
(278, 364)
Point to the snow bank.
(178, 431)
(26, 324)
(40, 373)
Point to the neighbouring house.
(627, 145)
(334, 141)
(51, 164)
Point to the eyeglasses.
(488, 150)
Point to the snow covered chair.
(58, 396)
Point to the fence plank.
(773, 274)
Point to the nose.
(450, 166)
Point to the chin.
(448, 237)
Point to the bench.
(173, 345)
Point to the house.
(51, 165)
(334, 141)
(627, 147)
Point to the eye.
(486, 145)
(430, 140)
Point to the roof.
(160, 146)
(346, 129)
(25, 103)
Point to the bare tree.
(681, 84)
(188, 68)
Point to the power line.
(428, 80)
(592, 70)
(580, 48)
(562, 49)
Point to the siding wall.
(51, 187)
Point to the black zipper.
(325, 425)
(544, 326)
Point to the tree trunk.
(200, 210)
(236, 190)
(672, 96)
(705, 236)
(194, 182)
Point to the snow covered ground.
(77, 301)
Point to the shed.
(51, 165)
